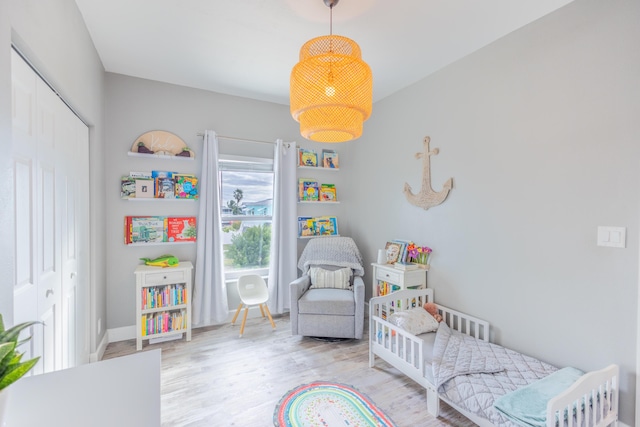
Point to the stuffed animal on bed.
(432, 309)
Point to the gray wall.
(135, 106)
(540, 132)
(54, 38)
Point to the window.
(246, 209)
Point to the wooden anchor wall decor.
(427, 198)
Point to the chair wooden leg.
(236, 315)
(273, 325)
(261, 310)
(244, 320)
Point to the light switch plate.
(613, 237)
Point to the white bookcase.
(163, 301)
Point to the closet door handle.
(49, 292)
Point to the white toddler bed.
(473, 389)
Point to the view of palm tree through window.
(246, 210)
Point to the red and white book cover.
(181, 229)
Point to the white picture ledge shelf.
(160, 156)
(319, 168)
(160, 243)
(317, 202)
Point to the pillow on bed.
(336, 279)
(415, 321)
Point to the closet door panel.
(23, 116)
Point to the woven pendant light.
(331, 89)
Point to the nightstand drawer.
(165, 277)
(389, 276)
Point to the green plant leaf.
(16, 372)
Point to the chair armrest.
(358, 295)
(299, 287)
(296, 289)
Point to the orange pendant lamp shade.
(331, 90)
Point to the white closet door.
(24, 160)
(47, 137)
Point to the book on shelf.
(330, 159)
(157, 229)
(127, 187)
(181, 229)
(161, 174)
(308, 190)
(328, 193)
(146, 229)
(393, 251)
(317, 226)
(145, 188)
(140, 174)
(186, 186)
(327, 226)
(165, 188)
(307, 157)
(306, 226)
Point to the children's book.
(326, 226)
(165, 188)
(127, 187)
(145, 188)
(306, 226)
(393, 250)
(147, 229)
(186, 186)
(330, 159)
(162, 174)
(328, 193)
(181, 229)
(307, 157)
(308, 190)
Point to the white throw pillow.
(337, 279)
(415, 321)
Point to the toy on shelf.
(162, 261)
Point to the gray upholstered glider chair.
(328, 299)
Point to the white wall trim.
(102, 346)
(122, 334)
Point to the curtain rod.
(241, 139)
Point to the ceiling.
(248, 47)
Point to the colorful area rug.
(326, 404)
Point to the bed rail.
(402, 349)
(596, 393)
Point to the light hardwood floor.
(219, 379)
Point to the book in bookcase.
(328, 193)
(330, 159)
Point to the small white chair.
(253, 291)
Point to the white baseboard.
(122, 334)
(97, 356)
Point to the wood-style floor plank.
(218, 379)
